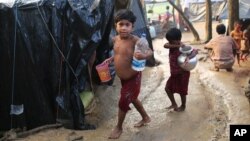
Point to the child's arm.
(145, 52)
(111, 59)
(232, 33)
(139, 55)
(193, 53)
(167, 45)
(148, 53)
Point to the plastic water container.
(103, 72)
(138, 65)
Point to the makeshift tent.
(45, 48)
(244, 10)
(197, 9)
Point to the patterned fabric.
(129, 91)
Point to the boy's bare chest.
(237, 35)
(124, 47)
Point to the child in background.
(124, 46)
(245, 46)
(179, 78)
(237, 35)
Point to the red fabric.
(179, 79)
(129, 91)
(178, 83)
(173, 55)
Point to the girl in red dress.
(179, 78)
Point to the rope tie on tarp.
(56, 45)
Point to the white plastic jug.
(138, 65)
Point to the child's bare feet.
(116, 133)
(143, 122)
(171, 107)
(180, 109)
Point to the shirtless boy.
(237, 35)
(124, 44)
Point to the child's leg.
(238, 58)
(171, 98)
(117, 131)
(183, 104)
(145, 118)
(242, 56)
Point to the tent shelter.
(45, 49)
(244, 13)
(244, 10)
(197, 8)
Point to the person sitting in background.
(222, 49)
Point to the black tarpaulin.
(44, 49)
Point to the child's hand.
(108, 60)
(166, 45)
(182, 45)
(175, 45)
(193, 53)
(139, 55)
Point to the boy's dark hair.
(125, 14)
(221, 29)
(173, 34)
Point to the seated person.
(223, 48)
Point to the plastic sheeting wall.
(44, 48)
(197, 10)
(244, 10)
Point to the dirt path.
(215, 100)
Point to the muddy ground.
(215, 100)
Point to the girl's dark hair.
(125, 14)
(221, 29)
(173, 34)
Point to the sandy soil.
(215, 100)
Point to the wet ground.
(215, 100)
